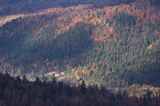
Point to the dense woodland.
(79, 53)
(84, 48)
(17, 92)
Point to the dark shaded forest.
(17, 92)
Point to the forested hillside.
(114, 46)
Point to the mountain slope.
(113, 46)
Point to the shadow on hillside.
(148, 74)
(20, 44)
(29, 6)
